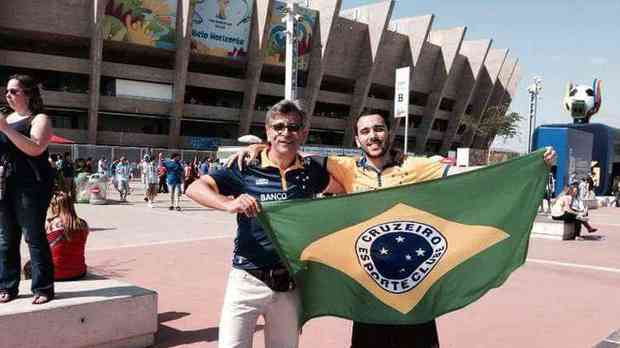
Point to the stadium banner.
(408, 254)
(143, 22)
(276, 45)
(221, 27)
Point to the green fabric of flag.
(408, 254)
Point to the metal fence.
(133, 154)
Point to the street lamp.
(534, 89)
(290, 77)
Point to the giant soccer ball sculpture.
(583, 101)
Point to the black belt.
(277, 279)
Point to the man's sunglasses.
(280, 126)
(14, 91)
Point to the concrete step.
(545, 227)
(100, 313)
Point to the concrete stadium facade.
(353, 57)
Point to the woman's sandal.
(6, 296)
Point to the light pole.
(290, 77)
(534, 89)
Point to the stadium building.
(200, 73)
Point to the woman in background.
(564, 209)
(26, 182)
(66, 235)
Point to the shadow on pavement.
(168, 336)
(95, 229)
(592, 238)
(111, 269)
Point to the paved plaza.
(566, 295)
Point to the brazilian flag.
(408, 254)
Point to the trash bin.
(82, 194)
(98, 188)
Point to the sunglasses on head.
(280, 126)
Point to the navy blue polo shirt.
(264, 181)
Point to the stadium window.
(440, 125)
(418, 98)
(68, 118)
(59, 81)
(332, 110)
(337, 84)
(433, 147)
(265, 102)
(110, 121)
(447, 104)
(416, 120)
(331, 138)
(213, 97)
(74, 47)
(381, 92)
(270, 75)
(228, 68)
(209, 129)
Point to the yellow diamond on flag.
(399, 254)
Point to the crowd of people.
(157, 175)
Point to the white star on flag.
(383, 251)
(420, 252)
(400, 239)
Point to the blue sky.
(560, 41)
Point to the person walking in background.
(26, 190)
(88, 165)
(59, 180)
(548, 197)
(102, 166)
(111, 166)
(151, 178)
(174, 177)
(203, 169)
(143, 167)
(617, 194)
(113, 173)
(80, 166)
(188, 175)
(161, 173)
(68, 174)
(122, 178)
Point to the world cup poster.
(221, 27)
(276, 46)
(143, 22)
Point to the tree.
(496, 121)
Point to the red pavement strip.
(567, 304)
